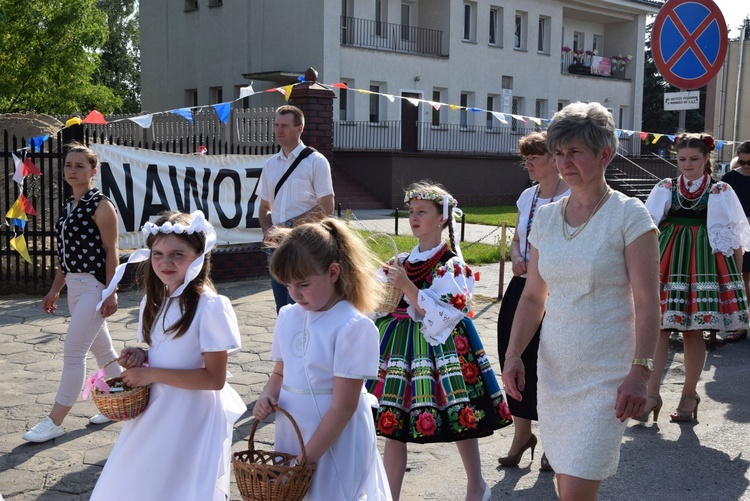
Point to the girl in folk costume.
(325, 348)
(435, 382)
(179, 447)
(703, 233)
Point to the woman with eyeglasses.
(739, 179)
(549, 187)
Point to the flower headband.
(199, 224)
(706, 138)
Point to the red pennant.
(643, 135)
(340, 85)
(30, 168)
(94, 117)
(27, 207)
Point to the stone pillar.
(316, 102)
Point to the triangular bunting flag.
(222, 111)
(19, 244)
(643, 135)
(389, 97)
(435, 105)
(519, 117)
(27, 207)
(95, 118)
(657, 137)
(18, 175)
(454, 107)
(16, 214)
(475, 110)
(618, 133)
(340, 85)
(35, 143)
(246, 91)
(143, 120)
(30, 168)
(413, 100)
(670, 137)
(500, 117)
(536, 120)
(73, 121)
(186, 113)
(287, 91)
(719, 144)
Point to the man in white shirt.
(305, 196)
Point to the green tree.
(48, 54)
(120, 63)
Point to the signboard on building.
(507, 101)
(674, 101)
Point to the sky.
(734, 12)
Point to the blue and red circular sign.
(689, 42)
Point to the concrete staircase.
(351, 194)
(633, 182)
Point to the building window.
(578, 40)
(467, 101)
(216, 95)
(379, 25)
(543, 45)
(215, 3)
(374, 104)
(516, 109)
(344, 111)
(191, 97)
(540, 108)
(191, 5)
(435, 112)
(496, 26)
(562, 104)
(405, 21)
(598, 43)
(490, 107)
(519, 35)
(470, 21)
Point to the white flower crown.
(428, 195)
(197, 225)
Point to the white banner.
(142, 183)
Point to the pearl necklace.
(580, 228)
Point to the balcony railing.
(391, 37)
(583, 64)
(443, 138)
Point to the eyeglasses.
(742, 163)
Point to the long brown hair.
(156, 291)
(309, 249)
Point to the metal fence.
(391, 37)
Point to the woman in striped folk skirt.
(435, 383)
(703, 233)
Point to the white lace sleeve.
(446, 301)
(659, 200)
(727, 225)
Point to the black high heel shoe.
(513, 460)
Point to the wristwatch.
(289, 223)
(646, 363)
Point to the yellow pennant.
(19, 244)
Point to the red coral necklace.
(418, 272)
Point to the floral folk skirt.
(441, 393)
(699, 289)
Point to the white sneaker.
(99, 419)
(45, 430)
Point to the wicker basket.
(120, 406)
(392, 296)
(270, 475)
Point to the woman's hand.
(631, 394)
(519, 267)
(264, 406)
(131, 357)
(109, 306)
(137, 376)
(397, 276)
(514, 377)
(49, 303)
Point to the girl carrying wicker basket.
(325, 348)
(179, 447)
(435, 382)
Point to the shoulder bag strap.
(303, 154)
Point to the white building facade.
(507, 56)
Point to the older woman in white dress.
(593, 268)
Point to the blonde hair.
(309, 249)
